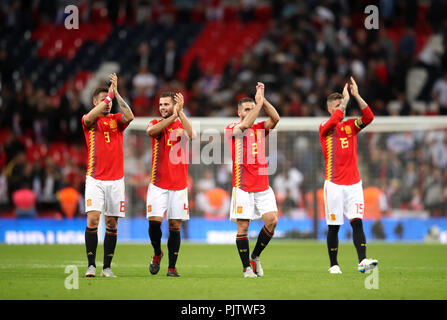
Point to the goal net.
(402, 163)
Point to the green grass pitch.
(293, 270)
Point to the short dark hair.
(334, 96)
(98, 91)
(243, 100)
(166, 94)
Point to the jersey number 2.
(254, 149)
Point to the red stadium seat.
(58, 152)
(78, 153)
(26, 139)
(263, 13)
(4, 134)
(230, 13)
(2, 159)
(37, 152)
(219, 42)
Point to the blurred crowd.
(309, 50)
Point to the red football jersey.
(250, 170)
(169, 158)
(339, 143)
(105, 147)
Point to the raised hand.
(111, 88)
(259, 97)
(353, 87)
(345, 93)
(179, 102)
(114, 82)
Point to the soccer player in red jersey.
(167, 192)
(104, 186)
(252, 197)
(343, 191)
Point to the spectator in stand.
(145, 82)
(71, 128)
(439, 94)
(416, 202)
(15, 170)
(24, 200)
(13, 146)
(203, 185)
(143, 55)
(287, 184)
(4, 198)
(50, 182)
(69, 200)
(171, 61)
(433, 191)
(214, 203)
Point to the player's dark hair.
(98, 91)
(243, 100)
(334, 96)
(165, 94)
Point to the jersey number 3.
(107, 136)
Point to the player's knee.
(242, 227)
(92, 219)
(271, 222)
(175, 225)
(111, 223)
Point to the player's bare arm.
(99, 109)
(253, 112)
(344, 103)
(355, 93)
(367, 114)
(127, 112)
(179, 102)
(273, 116)
(155, 130)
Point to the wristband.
(109, 97)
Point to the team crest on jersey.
(113, 124)
(348, 130)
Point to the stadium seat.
(263, 13)
(4, 134)
(219, 42)
(58, 152)
(78, 153)
(2, 158)
(37, 152)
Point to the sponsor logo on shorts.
(239, 209)
(149, 208)
(89, 202)
(332, 215)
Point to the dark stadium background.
(214, 52)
